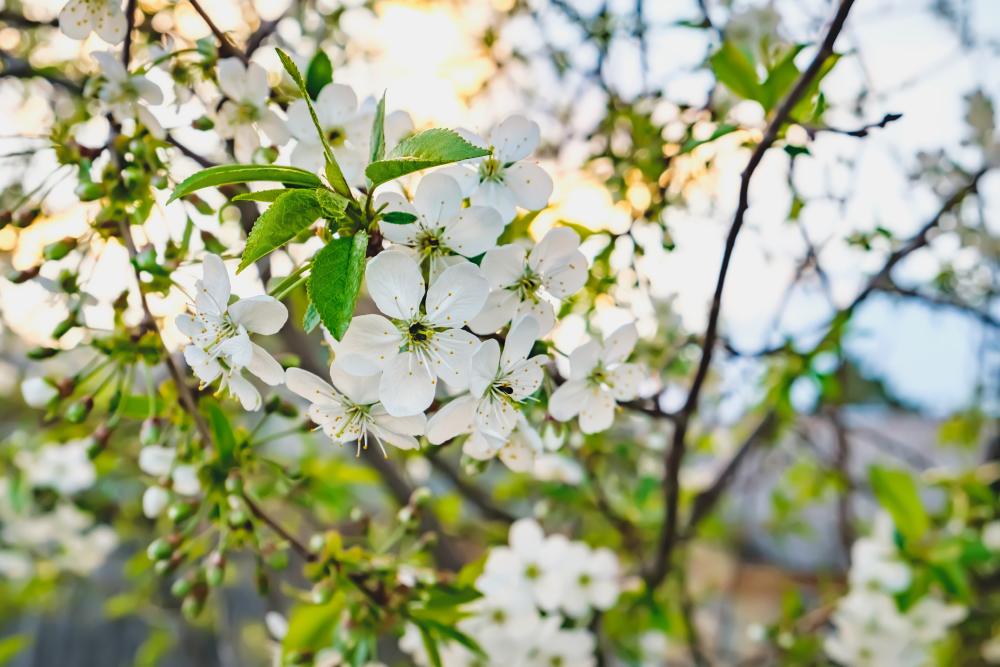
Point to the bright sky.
(428, 57)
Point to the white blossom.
(599, 378)
(79, 18)
(555, 645)
(38, 392)
(502, 180)
(556, 468)
(423, 341)
(532, 562)
(220, 338)
(592, 580)
(14, 565)
(154, 500)
(247, 108)
(67, 468)
(518, 450)
(159, 461)
(523, 284)
(444, 233)
(875, 560)
(124, 93)
(350, 410)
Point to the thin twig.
(130, 24)
(471, 492)
(660, 565)
(226, 47)
(861, 131)
(301, 549)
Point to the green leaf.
(11, 646)
(810, 105)
(154, 648)
(311, 318)
(399, 218)
(333, 205)
(733, 69)
(311, 627)
(137, 407)
(780, 79)
(451, 633)
(222, 433)
(335, 281)
(263, 195)
(720, 131)
(290, 213)
(378, 132)
(897, 492)
(319, 74)
(333, 171)
(431, 148)
(430, 645)
(244, 173)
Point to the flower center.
(247, 113)
(418, 332)
(336, 136)
(599, 377)
(428, 243)
(498, 616)
(528, 285)
(491, 169)
(532, 572)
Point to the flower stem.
(291, 282)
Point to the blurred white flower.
(124, 93)
(276, 624)
(555, 468)
(502, 180)
(557, 646)
(66, 468)
(79, 18)
(14, 565)
(247, 109)
(523, 284)
(991, 531)
(444, 233)
(159, 462)
(154, 500)
(38, 392)
(219, 331)
(354, 412)
(598, 379)
(875, 559)
(533, 563)
(592, 580)
(423, 342)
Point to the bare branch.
(226, 47)
(471, 492)
(660, 565)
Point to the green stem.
(88, 372)
(150, 390)
(124, 391)
(110, 376)
(288, 291)
(283, 286)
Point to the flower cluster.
(870, 627)
(538, 594)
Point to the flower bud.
(18, 277)
(204, 123)
(287, 409)
(262, 581)
(59, 249)
(64, 327)
(25, 218)
(89, 191)
(317, 542)
(150, 432)
(180, 511)
(215, 574)
(165, 568)
(161, 549)
(182, 587)
(192, 607)
(234, 485)
(278, 560)
(39, 353)
(160, 182)
(77, 412)
(272, 403)
(421, 497)
(405, 514)
(238, 518)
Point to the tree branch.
(660, 565)
(226, 47)
(301, 549)
(471, 492)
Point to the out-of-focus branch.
(200, 159)
(704, 503)
(941, 301)
(660, 565)
(841, 463)
(259, 35)
(628, 531)
(301, 549)
(861, 131)
(471, 492)
(226, 47)
(22, 69)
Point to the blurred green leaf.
(11, 646)
(222, 434)
(319, 73)
(311, 626)
(897, 492)
(733, 69)
(244, 173)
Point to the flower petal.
(308, 155)
(335, 105)
(619, 345)
(567, 400)
(526, 538)
(274, 127)
(517, 457)
(257, 91)
(242, 389)
(466, 176)
(407, 385)
(410, 425)
(483, 367)
(309, 386)
(214, 288)
(566, 276)
(499, 308)
(232, 75)
(450, 351)
(520, 339)
(583, 359)
(405, 234)
(395, 284)
(496, 195)
(238, 349)
(300, 123)
(457, 296)
(514, 138)
(203, 366)
(554, 249)
(361, 389)
(75, 19)
(259, 314)
(598, 411)
(156, 460)
(438, 198)
(111, 67)
(246, 141)
(454, 419)
(264, 366)
(473, 231)
(496, 416)
(371, 342)
(482, 446)
(154, 501)
(624, 381)
(399, 440)
(531, 185)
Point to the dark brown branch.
(861, 131)
(660, 565)
(259, 35)
(22, 69)
(130, 21)
(841, 464)
(301, 549)
(226, 47)
(471, 492)
(705, 502)
(200, 159)
(941, 301)
(691, 628)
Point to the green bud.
(182, 587)
(238, 518)
(164, 568)
(421, 497)
(322, 592)
(160, 182)
(234, 484)
(39, 353)
(64, 327)
(59, 249)
(180, 511)
(278, 560)
(272, 403)
(204, 123)
(25, 218)
(137, 147)
(150, 432)
(298, 657)
(405, 514)
(192, 607)
(132, 175)
(162, 548)
(286, 409)
(215, 574)
(18, 277)
(89, 191)
(77, 412)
